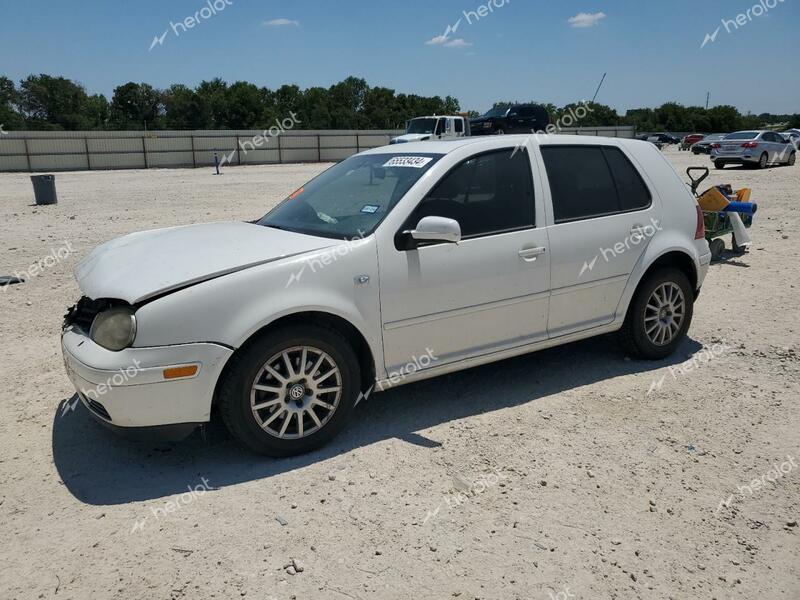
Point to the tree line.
(45, 102)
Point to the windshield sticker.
(370, 209)
(415, 162)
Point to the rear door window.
(592, 181)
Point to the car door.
(486, 293)
(515, 122)
(604, 215)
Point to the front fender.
(230, 309)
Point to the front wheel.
(291, 390)
(792, 159)
(719, 164)
(659, 315)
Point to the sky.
(509, 50)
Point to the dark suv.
(520, 118)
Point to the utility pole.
(708, 97)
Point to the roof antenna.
(598, 87)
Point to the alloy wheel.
(296, 392)
(664, 314)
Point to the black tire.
(719, 164)
(500, 131)
(235, 389)
(717, 247)
(633, 337)
(792, 159)
(762, 161)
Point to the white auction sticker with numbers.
(415, 162)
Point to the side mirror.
(436, 229)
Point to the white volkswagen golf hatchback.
(395, 265)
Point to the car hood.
(142, 265)
(412, 137)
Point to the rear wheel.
(762, 162)
(291, 390)
(719, 164)
(659, 315)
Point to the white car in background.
(794, 136)
(393, 266)
(423, 129)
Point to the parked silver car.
(756, 148)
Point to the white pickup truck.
(422, 129)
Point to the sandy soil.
(555, 475)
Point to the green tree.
(137, 106)
(9, 99)
(185, 109)
(214, 96)
(53, 103)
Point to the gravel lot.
(553, 475)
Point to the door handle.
(531, 254)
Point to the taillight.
(700, 231)
(716, 145)
(750, 145)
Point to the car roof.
(490, 142)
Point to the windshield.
(421, 125)
(497, 112)
(742, 135)
(349, 200)
(714, 136)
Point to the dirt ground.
(573, 473)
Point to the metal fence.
(37, 151)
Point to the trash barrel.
(44, 189)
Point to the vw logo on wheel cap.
(297, 391)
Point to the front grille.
(83, 313)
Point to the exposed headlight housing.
(115, 328)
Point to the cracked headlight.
(114, 329)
